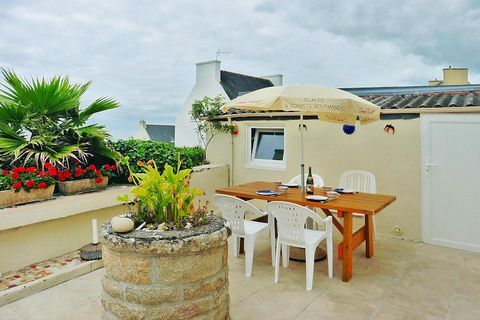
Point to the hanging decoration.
(348, 129)
(389, 129)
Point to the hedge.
(161, 152)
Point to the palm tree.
(42, 120)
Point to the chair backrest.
(233, 210)
(358, 180)
(291, 220)
(317, 180)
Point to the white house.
(211, 81)
(155, 132)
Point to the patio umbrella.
(329, 104)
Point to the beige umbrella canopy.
(328, 104)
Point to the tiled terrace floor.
(404, 280)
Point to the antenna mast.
(219, 52)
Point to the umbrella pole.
(302, 164)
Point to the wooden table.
(364, 203)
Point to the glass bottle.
(309, 183)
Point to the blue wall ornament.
(348, 129)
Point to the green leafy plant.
(162, 153)
(42, 120)
(205, 112)
(164, 199)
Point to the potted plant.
(79, 179)
(174, 264)
(23, 185)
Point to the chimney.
(143, 124)
(208, 71)
(277, 79)
(452, 76)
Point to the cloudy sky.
(143, 53)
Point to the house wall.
(394, 159)
(207, 84)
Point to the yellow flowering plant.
(163, 199)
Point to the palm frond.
(101, 104)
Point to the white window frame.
(250, 161)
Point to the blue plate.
(266, 192)
(344, 190)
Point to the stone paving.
(39, 270)
(404, 280)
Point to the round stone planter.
(166, 275)
(10, 198)
(68, 188)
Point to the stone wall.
(166, 275)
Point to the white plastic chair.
(362, 181)
(317, 180)
(233, 210)
(291, 229)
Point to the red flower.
(41, 173)
(107, 167)
(31, 169)
(19, 169)
(30, 183)
(98, 173)
(99, 180)
(17, 185)
(67, 174)
(60, 177)
(47, 165)
(15, 175)
(92, 167)
(5, 172)
(52, 172)
(78, 172)
(113, 167)
(42, 185)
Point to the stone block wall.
(181, 278)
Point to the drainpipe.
(232, 161)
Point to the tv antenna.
(219, 52)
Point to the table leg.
(347, 246)
(369, 235)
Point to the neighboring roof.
(427, 100)
(392, 91)
(236, 84)
(161, 132)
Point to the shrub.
(162, 153)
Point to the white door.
(451, 180)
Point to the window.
(266, 147)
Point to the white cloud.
(143, 54)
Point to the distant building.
(451, 76)
(155, 132)
(211, 81)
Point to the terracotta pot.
(68, 188)
(10, 198)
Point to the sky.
(143, 53)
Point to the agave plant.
(42, 119)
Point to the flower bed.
(79, 179)
(23, 185)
